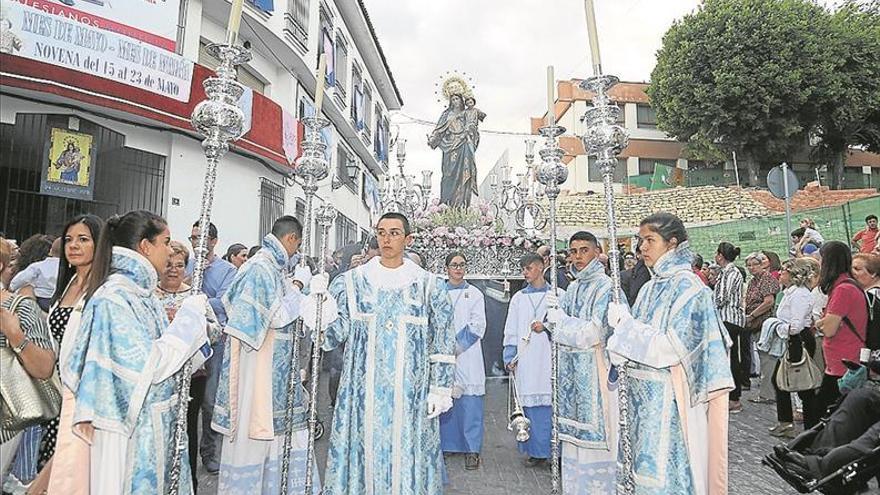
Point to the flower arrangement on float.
(443, 226)
(476, 231)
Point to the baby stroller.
(848, 479)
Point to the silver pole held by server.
(312, 166)
(219, 119)
(326, 216)
(604, 138)
(551, 173)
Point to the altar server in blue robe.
(461, 428)
(251, 409)
(675, 348)
(527, 354)
(395, 320)
(587, 385)
(122, 365)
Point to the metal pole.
(605, 139)
(219, 119)
(552, 173)
(312, 166)
(787, 204)
(326, 216)
(309, 189)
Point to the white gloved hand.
(618, 313)
(197, 303)
(616, 359)
(302, 274)
(438, 404)
(319, 284)
(309, 310)
(554, 315)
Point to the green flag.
(666, 177)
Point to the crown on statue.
(456, 85)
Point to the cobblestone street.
(503, 472)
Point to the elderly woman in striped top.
(728, 294)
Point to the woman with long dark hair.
(76, 253)
(675, 348)
(845, 321)
(124, 359)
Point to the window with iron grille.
(346, 231)
(271, 204)
(296, 22)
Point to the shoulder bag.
(799, 376)
(25, 400)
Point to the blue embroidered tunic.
(399, 344)
(679, 373)
(119, 368)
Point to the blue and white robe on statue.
(461, 428)
(533, 364)
(587, 396)
(250, 411)
(396, 325)
(121, 370)
(679, 376)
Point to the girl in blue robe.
(124, 358)
(674, 348)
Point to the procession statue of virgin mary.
(457, 134)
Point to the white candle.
(493, 180)
(234, 21)
(319, 84)
(401, 147)
(551, 96)
(593, 35)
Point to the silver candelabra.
(605, 138)
(521, 201)
(400, 193)
(551, 173)
(219, 119)
(311, 167)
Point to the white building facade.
(143, 152)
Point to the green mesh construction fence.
(769, 233)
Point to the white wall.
(236, 210)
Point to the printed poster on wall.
(46, 32)
(151, 21)
(68, 172)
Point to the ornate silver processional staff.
(219, 119)
(312, 167)
(326, 216)
(551, 173)
(605, 139)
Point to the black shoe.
(472, 462)
(535, 461)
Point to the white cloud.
(505, 46)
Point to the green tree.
(744, 76)
(850, 115)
